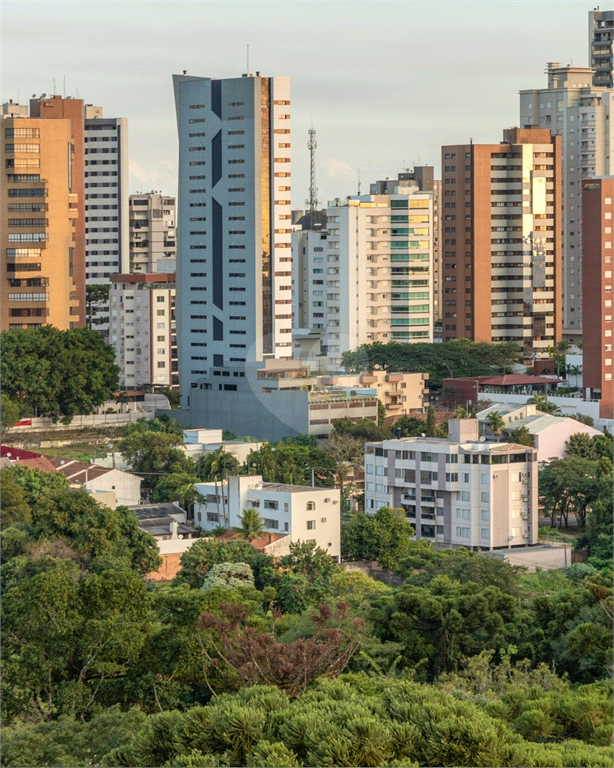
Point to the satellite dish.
(482, 439)
(33, 95)
(43, 95)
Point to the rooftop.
(285, 488)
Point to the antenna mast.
(313, 190)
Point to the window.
(161, 364)
(463, 514)
(160, 312)
(465, 496)
(311, 525)
(485, 533)
(463, 533)
(269, 523)
(271, 504)
(311, 505)
(485, 497)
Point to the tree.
(464, 357)
(431, 422)
(179, 487)
(9, 413)
(381, 412)
(259, 658)
(383, 537)
(153, 454)
(582, 445)
(495, 422)
(96, 301)
(544, 405)
(54, 373)
(521, 436)
(229, 576)
(217, 465)
(568, 485)
(15, 507)
(206, 552)
(410, 426)
(252, 525)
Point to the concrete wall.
(551, 442)
(127, 487)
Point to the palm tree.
(252, 525)
(216, 466)
(541, 401)
(460, 413)
(575, 371)
(495, 422)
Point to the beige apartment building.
(152, 231)
(402, 394)
(38, 222)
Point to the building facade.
(457, 491)
(601, 47)
(502, 253)
(379, 272)
(298, 512)
(152, 231)
(579, 112)
(309, 254)
(234, 278)
(142, 329)
(597, 212)
(107, 233)
(38, 223)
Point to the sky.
(384, 83)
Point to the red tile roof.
(39, 462)
(78, 471)
(516, 379)
(17, 453)
(260, 543)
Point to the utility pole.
(313, 190)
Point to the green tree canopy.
(384, 537)
(57, 373)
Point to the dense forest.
(248, 661)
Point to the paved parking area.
(546, 557)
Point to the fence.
(44, 424)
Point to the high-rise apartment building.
(309, 279)
(107, 233)
(142, 329)
(460, 491)
(152, 231)
(378, 271)
(597, 367)
(421, 178)
(601, 47)
(39, 205)
(59, 108)
(579, 112)
(501, 245)
(234, 272)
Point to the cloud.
(160, 175)
(337, 169)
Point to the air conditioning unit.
(494, 477)
(335, 501)
(525, 535)
(524, 497)
(325, 500)
(524, 515)
(322, 519)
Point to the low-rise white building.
(101, 480)
(197, 442)
(301, 512)
(550, 433)
(458, 491)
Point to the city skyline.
(383, 59)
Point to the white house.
(301, 512)
(550, 433)
(97, 479)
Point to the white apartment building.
(578, 111)
(601, 47)
(309, 279)
(142, 329)
(457, 491)
(106, 196)
(234, 274)
(152, 231)
(379, 271)
(298, 512)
